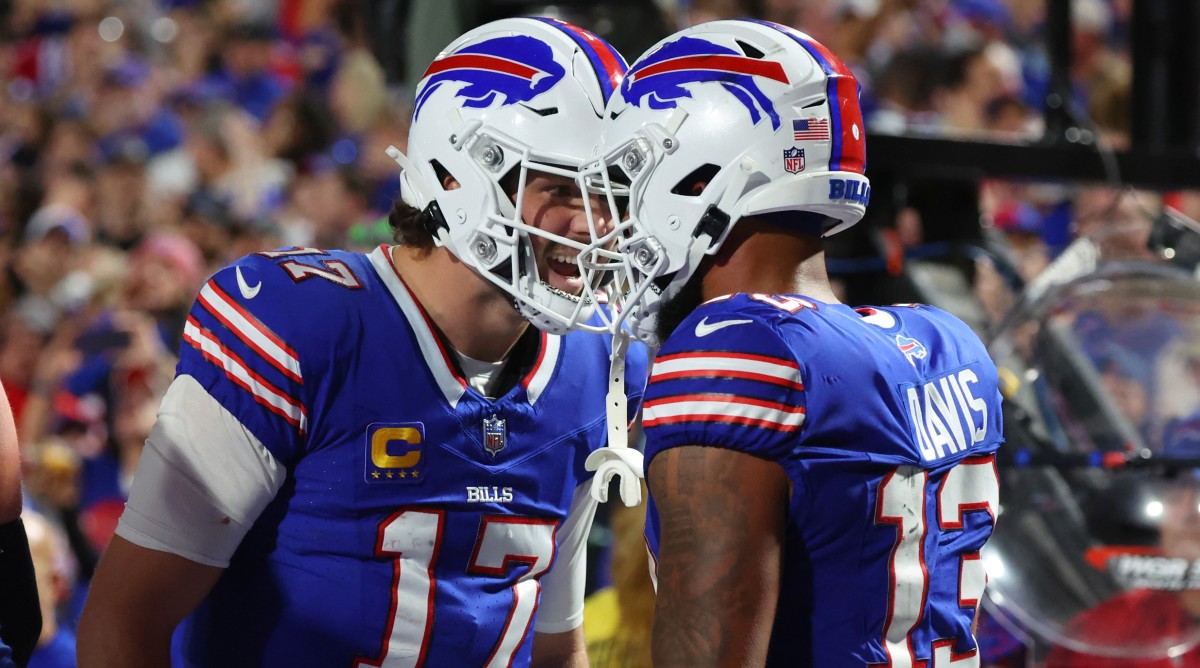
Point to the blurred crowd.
(145, 143)
(960, 67)
(980, 70)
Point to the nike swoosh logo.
(704, 327)
(244, 288)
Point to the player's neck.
(477, 319)
(762, 258)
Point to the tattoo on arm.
(721, 515)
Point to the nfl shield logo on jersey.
(793, 160)
(495, 435)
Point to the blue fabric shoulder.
(726, 378)
(268, 326)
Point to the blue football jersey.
(886, 421)
(417, 515)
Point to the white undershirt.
(480, 375)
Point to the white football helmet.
(764, 114)
(521, 94)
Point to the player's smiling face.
(554, 204)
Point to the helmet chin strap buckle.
(433, 220)
(713, 223)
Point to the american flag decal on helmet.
(848, 150)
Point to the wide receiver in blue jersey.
(822, 477)
(375, 460)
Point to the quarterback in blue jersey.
(375, 459)
(822, 478)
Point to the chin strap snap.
(617, 458)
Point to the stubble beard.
(676, 309)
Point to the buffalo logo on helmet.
(661, 78)
(510, 69)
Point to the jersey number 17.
(412, 538)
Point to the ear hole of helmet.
(694, 183)
(442, 173)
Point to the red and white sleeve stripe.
(720, 393)
(723, 408)
(266, 394)
(253, 333)
(745, 366)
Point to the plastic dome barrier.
(1097, 547)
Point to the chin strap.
(617, 458)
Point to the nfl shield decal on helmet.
(793, 160)
(495, 435)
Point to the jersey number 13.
(971, 486)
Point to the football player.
(20, 611)
(822, 477)
(375, 460)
